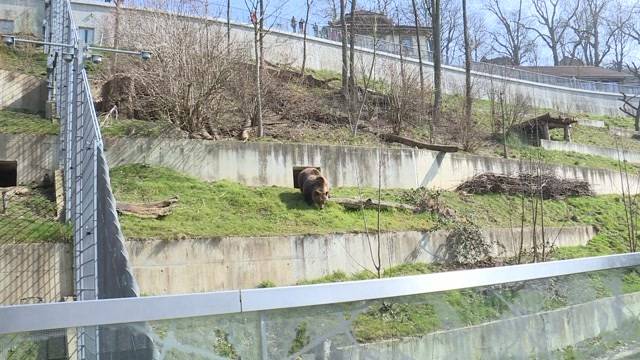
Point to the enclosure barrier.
(516, 311)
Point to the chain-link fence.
(101, 265)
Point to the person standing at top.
(315, 29)
(301, 26)
(293, 23)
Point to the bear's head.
(321, 195)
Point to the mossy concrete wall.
(266, 164)
(612, 153)
(225, 263)
(534, 336)
(33, 273)
(36, 155)
(22, 92)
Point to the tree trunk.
(437, 65)
(116, 31)
(304, 38)
(228, 26)
(352, 44)
(345, 60)
(417, 26)
(256, 49)
(467, 72)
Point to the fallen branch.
(356, 204)
(418, 144)
(7, 192)
(154, 210)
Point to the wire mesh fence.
(59, 230)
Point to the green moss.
(266, 284)
(301, 340)
(393, 320)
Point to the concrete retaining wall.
(523, 337)
(225, 263)
(630, 156)
(37, 155)
(31, 273)
(22, 92)
(266, 164)
(626, 132)
(259, 164)
(592, 123)
(43, 272)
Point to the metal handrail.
(37, 317)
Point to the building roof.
(364, 22)
(592, 73)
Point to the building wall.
(26, 14)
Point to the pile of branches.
(549, 186)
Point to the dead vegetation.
(546, 185)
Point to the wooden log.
(418, 144)
(153, 210)
(356, 204)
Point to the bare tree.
(478, 37)
(619, 24)
(416, 22)
(467, 72)
(228, 25)
(345, 57)
(591, 37)
(304, 39)
(437, 62)
(512, 39)
(256, 8)
(631, 103)
(552, 19)
(187, 82)
(352, 44)
(451, 30)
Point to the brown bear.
(314, 187)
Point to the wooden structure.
(538, 127)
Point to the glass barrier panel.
(590, 315)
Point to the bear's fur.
(314, 187)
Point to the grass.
(229, 209)
(418, 315)
(225, 208)
(30, 218)
(12, 122)
(597, 137)
(25, 59)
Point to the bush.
(467, 246)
